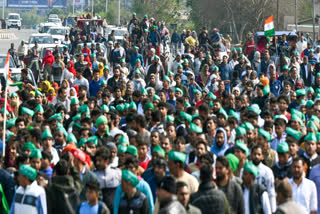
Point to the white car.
(15, 73)
(55, 16)
(119, 33)
(43, 39)
(44, 27)
(58, 33)
(14, 20)
(55, 20)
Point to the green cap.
(233, 161)
(72, 138)
(215, 68)
(36, 153)
(28, 171)
(25, 110)
(294, 133)
(266, 90)
(187, 104)
(92, 55)
(167, 78)
(177, 156)
(84, 109)
(232, 113)
(248, 126)
(57, 116)
(28, 145)
(301, 92)
(137, 71)
(136, 47)
(134, 14)
(123, 140)
(122, 149)
(315, 118)
(265, 134)
(46, 134)
(144, 91)
(298, 113)
(211, 95)
(132, 105)
(106, 67)
(222, 111)
(11, 122)
(76, 117)
(318, 136)
(195, 128)
(170, 118)
(240, 130)
(185, 61)
(297, 118)
(103, 82)
(122, 60)
(309, 104)
(156, 97)
(158, 149)
(180, 66)
(250, 167)
(243, 147)
(195, 116)
(283, 147)
(186, 116)
(82, 142)
(146, 16)
(148, 106)
(196, 91)
(310, 137)
(74, 100)
(132, 150)
(285, 67)
(318, 89)
(93, 139)
(38, 93)
(170, 73)
(126, 106)
(254, 108)
(39, 108)
(63, 130)
(120, 107)
(130, 176)
(101, 119)
(2, 111)
(312, 125)
(311, 90)
(104, 107)
(14, 94)
(178, 90)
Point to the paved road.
(20, 34)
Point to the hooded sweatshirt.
(215, 149)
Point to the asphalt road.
(20, 34)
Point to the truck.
(14, 20)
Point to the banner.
(36, 3)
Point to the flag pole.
(5, 108)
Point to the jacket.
(215, 149)
(208, 199)
(136, 205)
(171, 206)
(234, 195)
(62, 185)
(31, 200)
(303, 74)
(87, 177)
(256, 191)
(289, 207)
(281, 172)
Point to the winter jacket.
(209, 199)
(171, 206)
(136, 205)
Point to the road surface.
(20, 34)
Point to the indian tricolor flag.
(269, 27)
(7, 75)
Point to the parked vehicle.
(14, 20)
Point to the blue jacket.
(275, 87)
(226, 72)
(94, 87)
(134, 58)
(175, 38)
(215, 149)
(143, 187)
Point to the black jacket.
(136, 205)
(256, 191)
(208, 199)
(171, 206)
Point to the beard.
(256, 162)
(220, 177)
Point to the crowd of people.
(127, 130)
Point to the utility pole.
(3, 6)
(277, 13)
(73, 2)
(313, 21)
(295, 14)
(106, 6)
(92, 8)
(119, 12)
